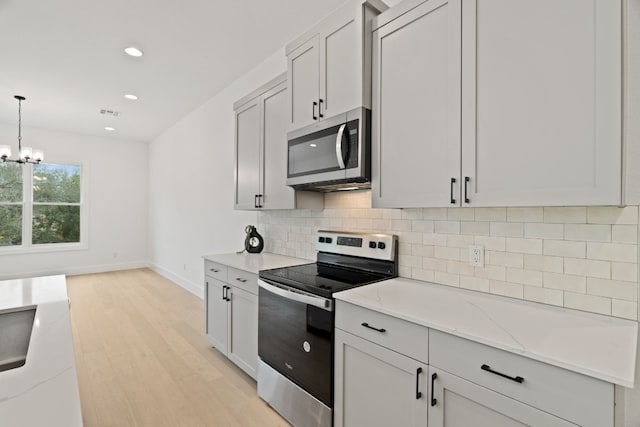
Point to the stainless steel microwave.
(333, 154)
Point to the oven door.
(295, 337)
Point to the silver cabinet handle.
(339, 146)
(214, 270)
(296, 295)
(240, 279)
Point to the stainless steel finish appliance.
(333, 154)
(296, 321)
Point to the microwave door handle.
(319, 302)
(339, 138)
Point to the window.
(40, 205)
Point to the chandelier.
(27, 154)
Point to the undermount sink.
(15, 333)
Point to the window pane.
(56, 183)
(56, 224)
(10, 225)
(10, 182)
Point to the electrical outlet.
(476, 256)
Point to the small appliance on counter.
(296, 321)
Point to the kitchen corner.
(45, 390)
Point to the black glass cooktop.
(321, 279)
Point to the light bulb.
(38, 155)
(5, 151)
(26, 153)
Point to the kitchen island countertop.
(43, 392)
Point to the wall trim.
(195, 289)
(75, 271)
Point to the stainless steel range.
(296, 321)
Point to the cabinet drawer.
(399, 335)
(215, 270)
(243, 280)
(569, 395)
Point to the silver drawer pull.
(487, 368)
(240, 279)
(366, 325)
(215, 270)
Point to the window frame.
(27, 245)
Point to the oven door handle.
(298, 296)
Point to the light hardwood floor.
(142, 358)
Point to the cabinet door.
(416, 108)
(340, 65)
(243, 330)
(542, 102)
(375, 386)
(460, 403)
(247, 154)
(217, 319)
(276, 195)
(304, 80)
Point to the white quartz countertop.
(599, 346)
(43, 392)
(253, 263)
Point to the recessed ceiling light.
(133, 51)
(109, 128)
(131, 97)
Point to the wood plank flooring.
(142, 358)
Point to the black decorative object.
(253, 243)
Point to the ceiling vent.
(109, 113)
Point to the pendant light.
(26, 154)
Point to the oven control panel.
(368, 245)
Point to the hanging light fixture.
(27, 154)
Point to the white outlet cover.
(476, 255)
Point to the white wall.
(192, 183)
(116, 172)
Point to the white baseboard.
(74, 271)
(195, 289)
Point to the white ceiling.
(66, 57)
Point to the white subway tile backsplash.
(579, 257)
(592, 303)
(562, 215)
(564, 248)
(491, 214)
(524, 246)
(506, 229)
(564, 282)
(505, 259)
(552, 264)
(524, 214)
(447, 227)
(544, 295)
(624, 234)
(624, 271)
(612, 215)
(612, 252)
(627, 291)
(544, 231)
(626, 309)
(587, 267)
(588, 232)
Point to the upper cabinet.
(261, 152)
(329, 66)
(497, 103)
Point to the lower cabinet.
(231, 297)
(376, 386)
(461, 403)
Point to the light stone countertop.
(599, 346)
(253, 263)
(43, 392)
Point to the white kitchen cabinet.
(261, 152)
(519, 102)
(461, 403)
(232, 314)
(416, 107)
(328, 67)
(377, 387)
